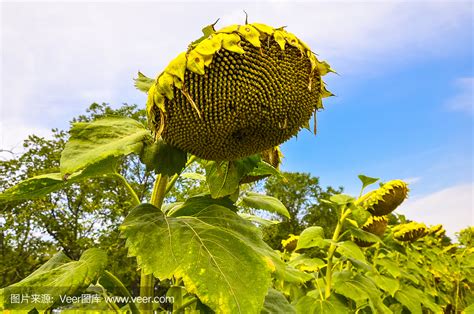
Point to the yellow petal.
(195, 63)
(177, 66)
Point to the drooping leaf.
(350, 249)
(364, 235)
(259, 220)
(360, 215)
(163, 158)
(410, 301)
(93, 142)
(311, 237)
(200, 202)
(306, 263)
(346, 285)
(219, 256)
(341, 199)
(310, 304)
(366, 181)
(194, 176)
(265, 202)
(42, 185)
(263, 168)
(60, 276)
(143, 83)
(223, 177)
(361, 289)
(389, 266)
(385, 283)
(276, 303)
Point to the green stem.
(133, 194)
(147, 281)
(185, 304)
(117, 283)
(332, 249)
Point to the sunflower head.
(410, 232)
(290, 243)
(236, 92)
(376, 225)
(385, 199)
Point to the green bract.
(385, 199)
(237, 92)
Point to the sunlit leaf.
(219, 255)
(366, 181)
(42, 185)
(350, 249)
(106, 138)
(341, 199)
(410, 301)
(311, 237)
(60, 276)
(265, 202)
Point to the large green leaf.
(219, 255)
(263, 168)
(311, 237)
(200, 202)
(360, 289)
(314, 305)
(95, 141)
(276, 303)
(265, 202)
(163, 158)
(223, 177)
(42, 185)
(389, 266)
(350, 249)
(410, 301)
(59, 277)
(385, 283)
(364, 235)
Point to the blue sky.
(404, 104)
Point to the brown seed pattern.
(248, 102)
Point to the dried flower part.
(376, 225)
(236, 92)
(290, 243)
(410, 232)
(272, 156)
(385, 199)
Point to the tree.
(73, 219)
(301, 194)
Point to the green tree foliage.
(73, 219)
(301, 194)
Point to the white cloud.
(412, 180)
(59, 57)
(463, 101)
(452, 207)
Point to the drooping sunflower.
(237, 91)
(410, 232)
(385, 199)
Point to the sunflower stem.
(147, 281)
